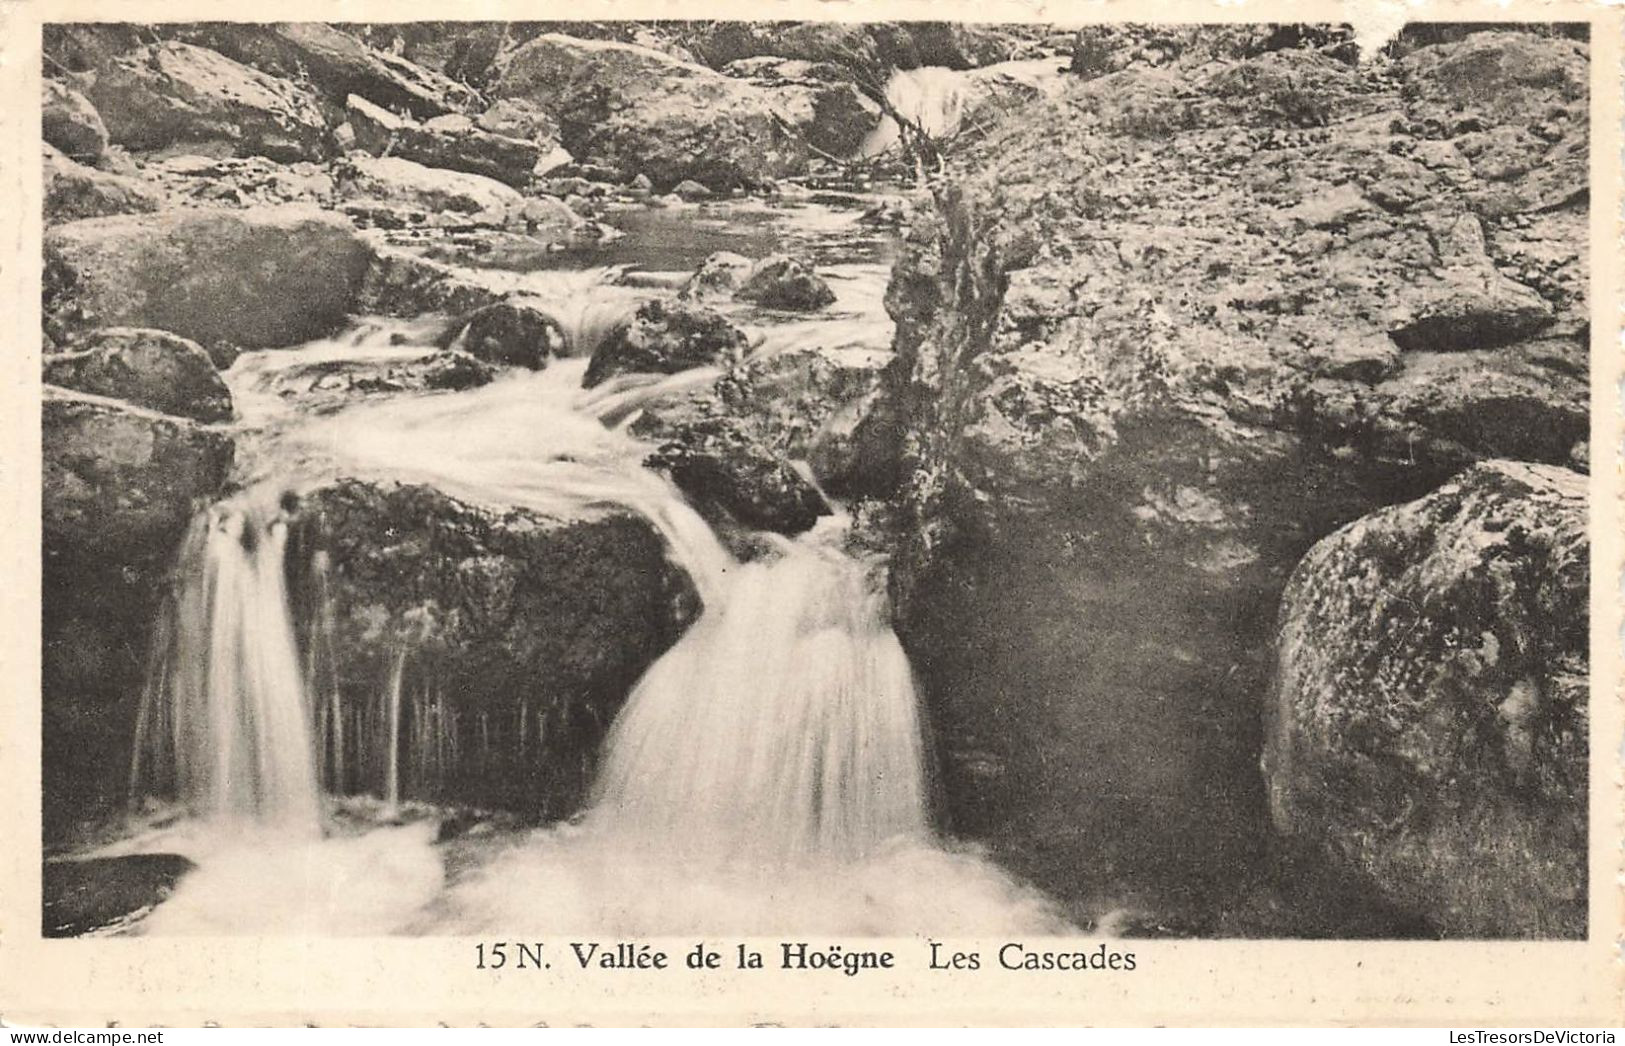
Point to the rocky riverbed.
(1212, 401)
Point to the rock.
(435, 191)
(517, 118)
(718, 276)
(74, 191)
(70, 123)
(868, 50)
(331, 385)
(664, 338)
(149, 368)
(1429, 726)
(819, 99)
(691, 190)
(1144, 362)
(119, 478)
(1487, 93)
(730, 476)
(241, 181)
(637, 110)
(1478, 308)
(401, 282)
(781, 282)
(335, 63)
(549, 213)
(99, 893)
(525, 674)
(518, 332)
(178, 96)
(450, 142)
(120, 485)
(261, 277)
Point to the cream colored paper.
(401, 981)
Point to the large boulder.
(70, 123)
(120, 485)
(335, 63)
(74, 191)
(820, 100)
(402, 282)
(1430, 719)
(524, 633)
(451, 142)
(258, 277)
(149, 368)
(1148, 355)
(637, 110)
(435, 192)
(176, 96)
(665, 337)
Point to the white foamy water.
(765, 774)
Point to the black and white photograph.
(817, 480)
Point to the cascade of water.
(225, 721)
(392, 735)
(781, 726)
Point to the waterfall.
(781, 726)
(765, 773)
(392, 735)
(225, 720)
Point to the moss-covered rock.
(1430, 719)
(523, 633)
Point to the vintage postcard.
(892, 514)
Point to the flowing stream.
(766, 774)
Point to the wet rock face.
(74, 191)
(70, 123)
(149, 368)
(449, 142)
(1429, 724)
(259, 277)
(176, 95)
(120, 485)
(1154, 346)
(636, 110)
(663, 338)
(526, 632)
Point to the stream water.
(766, 774)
